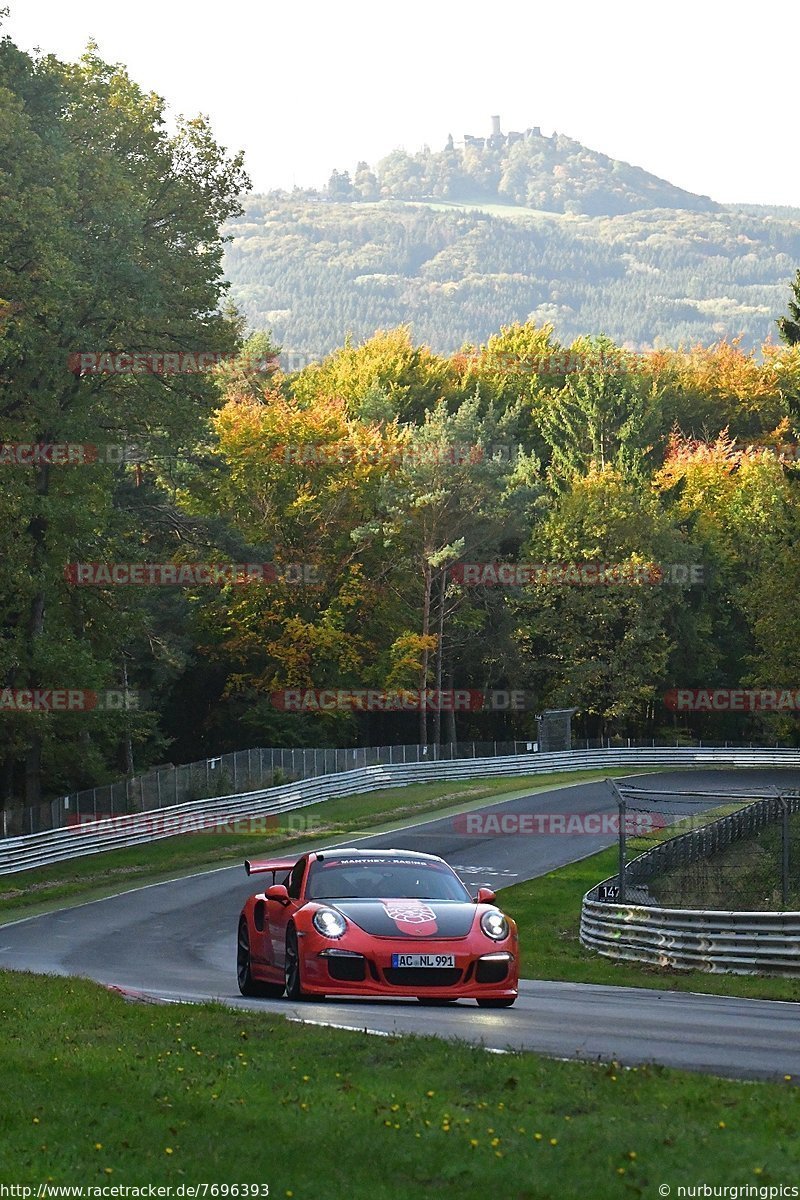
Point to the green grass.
(100, 1092)
(548, 911)
(102, 874)
(512, 212)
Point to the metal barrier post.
(785, 852)
(622, 808)
(622, 849)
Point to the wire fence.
(719, 851)
(229, 774)
(251, 770)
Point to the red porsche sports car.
(374, 923)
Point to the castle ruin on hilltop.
(497, 138)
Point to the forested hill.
(554, 173)
(312, 272)
(511, 227)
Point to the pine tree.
(790, 326)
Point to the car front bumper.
(341, 970)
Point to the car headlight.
(329, 923)
(494, 925)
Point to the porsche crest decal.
(412, 917)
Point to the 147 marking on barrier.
(608, 891)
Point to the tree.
(451, 499)
(412, 376)
(294, 479)
(740, 509)
(365, 183)
(602, 648)
(789, 327)
(109, 232)
(605, 414)
(717, 387)
(340, 186)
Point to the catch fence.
(721, 893)
(252, 770)
(707, 849)
(231, 774)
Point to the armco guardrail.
(743, 943)
(739, 943)
(57, 845)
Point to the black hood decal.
(409, 918)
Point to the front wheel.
(497, 1001)
(294, 985)
(247, 985)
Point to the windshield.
(383, 879)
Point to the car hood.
(409, 918)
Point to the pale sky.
(700, 92)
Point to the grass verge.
(548, 910)
(99, 1092)
(103, 874)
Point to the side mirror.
(485, 896)
(278, 892)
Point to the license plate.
(423, 960)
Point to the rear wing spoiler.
(261, 866)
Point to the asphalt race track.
(176, 941)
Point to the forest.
(313, 271)
(511, 227)
(195, 523)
